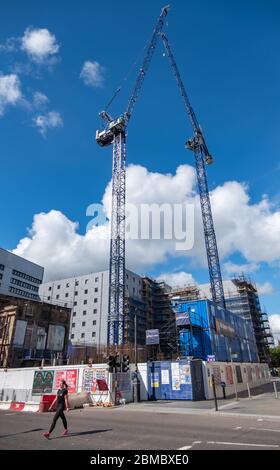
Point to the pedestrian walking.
(61, 402)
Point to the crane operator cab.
(190, 145)
(106, 137)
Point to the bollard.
(249, 392)
(223, 385)
(214, 392)
(275, 389)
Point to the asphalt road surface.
(116, 429)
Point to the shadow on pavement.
(23, 432)
(84, 433)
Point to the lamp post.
(135, 380)
(233, 374)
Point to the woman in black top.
(62, 401)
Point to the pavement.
(250, 424)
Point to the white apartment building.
(88, 296)
(19, 277)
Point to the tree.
(275, 356)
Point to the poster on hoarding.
(155, 380)
(42, 382)
(20, 333)
(41, 338)
(165, 377)
(185, 374)
(93, 379)
(175, 376)
(56, 336)
(249, 374)
(229, 376)
(217, 374)
(70, 377)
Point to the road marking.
(241, 444)
(237, 427)
(265, 429)
(11, 414)
(189, 447)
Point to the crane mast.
(115, 133)
(198, 145)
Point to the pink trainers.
(46, 435)
(65, 432)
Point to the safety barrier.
(18, 400)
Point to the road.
(116, 429)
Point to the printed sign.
(70, 377)
(42, 382)
(155, 380)
(229, 375)
(217, 374)
(152, 336)
(175, 375)
(165, 377)
(185, 374)
(93, 379)
(182, 318)
(211, 358)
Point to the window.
(65, 305)
(86, 281)
(57, 296)
(83, 323)
(85, 302)
(50, 288)
(76, 292)
(58, 286)
(96, 289)
(49, 297)
(76, 283)
(74, 314)
(93, 334)
(67, 294)
(84, 312)
(95, 310)
(96, 279)
(95, 300)
(133, 290)
(86, 291)
(73, 325)
(82, 335)
(133, 279)
(67, 285)
(26, 285)
(94, 322)
(2, 267)
(72, 336)
(75, 303)
(127, 276)
(26, 276)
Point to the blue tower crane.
(115, 133)
(198, 145)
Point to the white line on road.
(189, 447)
(266, 429)
(241, 444)
(237, 427)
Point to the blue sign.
(152, 336)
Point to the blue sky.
(228, 54)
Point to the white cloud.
(265, 289)
(47, 121)
(10, 91)
(233, 268)
(250, 229)
(39, 99)
(92, 74)
(40, 45)
(10, 45)
(274, 322)
(176, 279)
